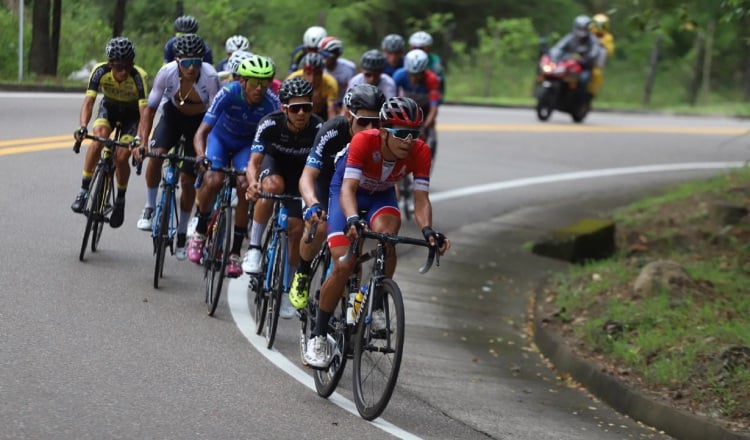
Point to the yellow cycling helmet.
(601, 21)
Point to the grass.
(675, 342)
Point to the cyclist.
(393, 46)
(362, 104)
(232, 45)
(226, 134)
(326, 90)
(310, 42)
(373, 64)
(416, 81)
(341, 69)
(364, 181)
(185, 24)
(188, 85)
(280, 148)
(423, 40)
(123, 85)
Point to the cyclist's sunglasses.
(364, 121)
(372, 74)
(255, 82)
(306, 107)
(403, 134)
(187, 62)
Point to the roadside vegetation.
(687, 341)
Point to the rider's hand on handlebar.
(80, 133)
(253, 191)
(202, 164)
(313, 214)
(436, 239)
(354, 226)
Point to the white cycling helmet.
(237, 42)
(420, 39)
(236, 59)
(416, 61)
(313, 36)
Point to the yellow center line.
(40, 147)
(38, 140)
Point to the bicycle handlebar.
(111, 143)
(432, 256)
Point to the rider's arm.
(307, 185)
(332, 95)
(421, 162)
(348, 197)
(87, 109)
(200, 139)
(433, 89)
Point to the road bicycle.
(219, 238)
(273, 279)
(376, 352)
(166, 213)
(100, 201)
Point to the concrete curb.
(677, 423)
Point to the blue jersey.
(230, 114)
(390, 70)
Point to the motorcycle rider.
(582, 45)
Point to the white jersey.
(343, 72)
(385, 84)
(167, 84)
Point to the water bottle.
(355, 304)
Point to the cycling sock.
(239, 235)
(292, 271)
(321, 324)
(182, 226)
(151, 194)
(181, 239)
(256, 233)
(202, 225)
(121, 192)
(304, 266)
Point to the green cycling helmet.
(256, 67)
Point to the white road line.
(237, 289)
(245, 321)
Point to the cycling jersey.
(363, 160)
(385, 84)
(167, 84)
(169, 55)
(132, 91)
(234, 122)
(325, 94)
(427, 93)
(390, 70)
(343, 72)
(331, 138)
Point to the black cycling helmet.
(364, 96)
(312, 60)
(373, 60)
(189, 46)
(186, 24)
(393, 43)
(296, 87)
(120, 48)
(401, 111)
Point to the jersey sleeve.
(218, 105)
(355, 158)
(433, 88)
(262, 134)
(92, 89)
(140, 77)
(157, 91)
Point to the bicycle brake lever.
(350, 252)
(77, 147)
(430, 258)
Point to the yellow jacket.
(608, 41)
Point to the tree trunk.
(698, 48)
(179, 9)
(118, 18)
(706, 75)
(40, 56)
(55, 37)
(653, 63)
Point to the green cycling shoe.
(298, 292)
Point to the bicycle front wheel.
(327, 380)
(162, 234)
(92, 210)
(277, 289)
(106, 203)
(378, 351)
(217, 258)
(261, 295)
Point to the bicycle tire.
(274, 299)
(106, 209)
(212, 249)
(261, 296)
(327, 380)
(162, 231)
(376, 357)
(91, 211)
(307, 315)
(220, 256)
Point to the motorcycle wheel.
(581, 111)
(544, 104)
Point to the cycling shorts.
(172, 125)
(271, 167)
(222, 147)
(372, 204)
(112, 112)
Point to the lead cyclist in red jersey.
(364, 181)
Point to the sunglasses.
(255, 82)
(306, 107)
(403, 134)
(372, 74)
(187, 62)
(121, 66)
(312, 70)
(364, 121)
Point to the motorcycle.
(557, 83)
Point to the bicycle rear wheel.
(162, 233)
(318, 269)
(327, 380)
(277, 289)
(107, 204)
(261, 295)
(377, 354)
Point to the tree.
(45, 37)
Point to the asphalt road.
(91, 350)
